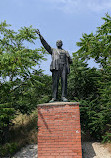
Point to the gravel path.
(90, 150)
(27, 152)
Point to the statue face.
(59, 43)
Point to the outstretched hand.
(37, 31)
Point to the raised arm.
(44, 43)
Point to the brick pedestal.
(59, 133)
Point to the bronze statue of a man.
(59, 67)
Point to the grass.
(23, 132)
(25, 128)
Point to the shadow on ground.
(87, 150)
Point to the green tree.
(83, 81)
(18, 80)
(98, 47)
(83, 87)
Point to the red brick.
(59, 133)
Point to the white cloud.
(99, 5)
(71, 6)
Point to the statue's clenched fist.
(37, 31)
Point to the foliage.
(23, 133)
(83, 87)
(97, 46)
(8, 149)
(83, 81)
(96, 110)
(20, 82)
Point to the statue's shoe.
(52, 100)
(64, 99)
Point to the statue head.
(59, 44)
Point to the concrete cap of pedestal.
(59, 103)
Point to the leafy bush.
(8, 149)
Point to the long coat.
(59, 56)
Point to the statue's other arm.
(69, 58)
(44, 43)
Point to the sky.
(56, 19)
